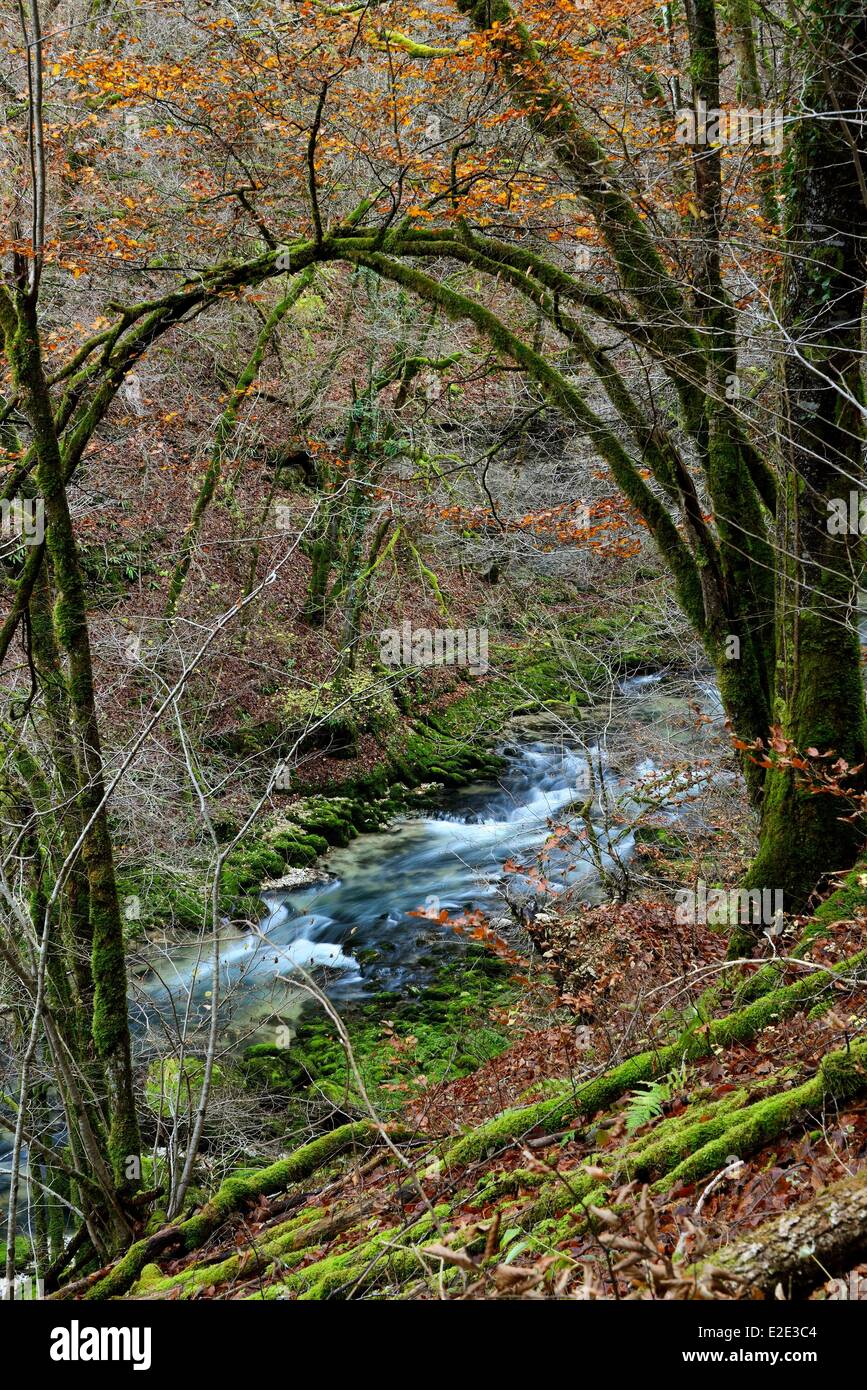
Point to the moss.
(298, 847)
(669, 1145)
(151, 1281)
(660, 837)
(366, 700)
(744, 1024)
(449, 747)
(805, 837)
(565, 1192)
(841, 1076)
(846, 902)
(688, 1149)
(431, 755)
(437, 1033)
(600, 1093)
(174, 1090)
(332, 819)
(273, 1179)
(383, 1258)
(635, 640)
(648, 1155)
(678, 1149)
(285, 1244)
(174, 899)
(23, 1252)
(498, 1185)
(268, 853)
(506, 1129)
(192, 1232)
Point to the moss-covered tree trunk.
(746, 559)
(76, 936)
(110, 1024)
(819, 700)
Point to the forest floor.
(633, 1147)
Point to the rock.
(297, 878)
(555, 722)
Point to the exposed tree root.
(190, 1234)
(700, 1039)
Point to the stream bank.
(414, 745)
(389, 933)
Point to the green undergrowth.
(541, 1211)
(23, 1252)
(697, 1041)
(401, 1043)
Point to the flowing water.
(373, 926)
(360, 932)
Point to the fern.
(646, 1105)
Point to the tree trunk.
(800, 1249)
(110, 1025)
(819, 698)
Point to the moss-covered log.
(603, 1091)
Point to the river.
(359, 933)
(372, 927)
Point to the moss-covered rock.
(401, 1043)
(330, 818)
(173, 900)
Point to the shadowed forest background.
(432, 722)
